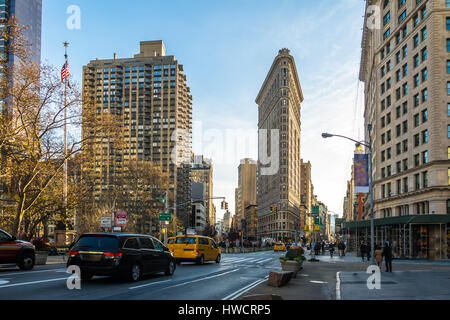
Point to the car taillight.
(73, 253)
(112, 255)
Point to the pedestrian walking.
(362, 249)
(387, 253)
(368, 251)
(379, 256)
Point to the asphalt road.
(235, 275)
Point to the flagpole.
(66, 44)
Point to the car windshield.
(97, 243)
(170, 241)
(185, 240)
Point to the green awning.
(425, 219)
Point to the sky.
(227, 48)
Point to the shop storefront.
(412, 237)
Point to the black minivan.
(125, 255)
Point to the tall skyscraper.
(245, 193)
(29, 14)
(279, 102)
(405, 67)
(150, 95)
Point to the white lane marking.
(29, 272)
(32, 282)
(3, 282)
(319, 282)
(197, 280)
(149, 284)
(241, 291)
(338, 286)
(265, 260)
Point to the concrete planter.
(293, 266)
(41, 258)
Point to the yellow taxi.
(170, 243)
(194, 248)
(279, 246)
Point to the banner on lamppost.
(361, 173)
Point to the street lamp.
(368, 145)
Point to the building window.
(416, 80)
(424, 75)
(398, 130)
(416, 41)
(405, 185)
(425, 157)
(425, 136)
(398, 113)
(386, 18)
(416, 120)
(417, 181)
(448, 45)
(425, 94)
(416, 100)
(448, 23)
(405, 145)
(448, 87)
(416, 160)
(399, 186)
(424, 54)
(405, 126)
(416, 140)
(405, 164)
(386, 34)
(425, 179)
(416, 60)
(424, 115)
(401, 3)
(424, 33)
(402, 17)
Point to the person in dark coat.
(387, 254)
(362, 249)
(368, 251)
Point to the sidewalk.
(56, 259)
(318, 280)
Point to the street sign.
(316, 228)
(120, 219)
(315, 209)
(160, 199)
(306, 228)
(105, 222)
(117, 229)
(316, 221)
(165, 217)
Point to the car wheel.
(86, 276)
(170, 268)
(201, 260)
(27, 261)
(135, 273)
(218, 259)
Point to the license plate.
(91, 257)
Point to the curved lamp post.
(369, 146)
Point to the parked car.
(125, 255)
(16, 252)
(193, 248)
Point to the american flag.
(65, 72)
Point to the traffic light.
(222, 206)
(271, 209)
(226, 205)
(275, 209)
